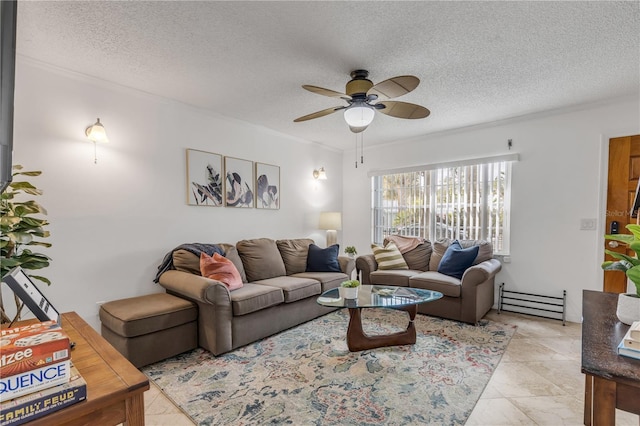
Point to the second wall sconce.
(96, 133)
(320, 174)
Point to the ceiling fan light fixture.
(359, 115)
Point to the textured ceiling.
(477, 61)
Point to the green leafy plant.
(350, 250)
(350, 283)
(630, 265)
(22, 227)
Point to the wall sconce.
(96, 133)
(331, 222)
(320, 174)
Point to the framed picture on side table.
(20, 283)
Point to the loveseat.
(465, 298)
(280, 285)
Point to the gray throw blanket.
(195, 248)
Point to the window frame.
(430, 202)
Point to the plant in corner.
(350, 250)
(20, 228)
(628, 304)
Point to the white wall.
(112, 222)
(558, 180)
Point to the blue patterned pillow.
(456, 260)
(323, 260)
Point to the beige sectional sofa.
(278, 292)
(467, 299)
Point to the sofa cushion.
(328, 280)
(456, 260)
(254, 297)
(323, 260)
(294, 254)
(231, 253)
(388, 257)
(484, 253)
(261, 259)
(397, 277)
(221, 269)
(136, 316)
(435, 281)
(186, 262)
(294, 288)
(418, 258)
(440, 247)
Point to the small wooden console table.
(612, 381)
(115, 388)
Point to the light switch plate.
(588, 224)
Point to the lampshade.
(96, 133)
(331, 221)
(320, 174)
(359, 115)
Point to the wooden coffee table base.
(357, 340)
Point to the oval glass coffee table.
(379, 296)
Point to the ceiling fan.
(360, 93)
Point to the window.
(465, 200)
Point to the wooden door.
(624, 171)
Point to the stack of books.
(630, 344)
(36, 374)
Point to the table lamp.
(331, 222)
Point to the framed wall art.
(238, 182)
(267, 186)
(204, 178)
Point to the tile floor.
(538, 381)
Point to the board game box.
(33, 346)
(35, 405)
(34, 380)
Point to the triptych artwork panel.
(214, 180)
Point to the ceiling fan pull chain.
(356, 150)
(362, 148)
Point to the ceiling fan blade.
(403, 110)
(318, 114)
(324, 92)
(394, 87)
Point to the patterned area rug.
(307, 376)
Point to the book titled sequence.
(35, 405)
(33, 346)
(34, 380)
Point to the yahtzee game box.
(32, 346)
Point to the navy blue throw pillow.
(456, 260)
(323, 260)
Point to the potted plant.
(350, 251)
(21, 228)
(349, 289)
(628, 304)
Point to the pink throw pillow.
(221, 269)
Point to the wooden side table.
(612, 381)
(115, 388)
